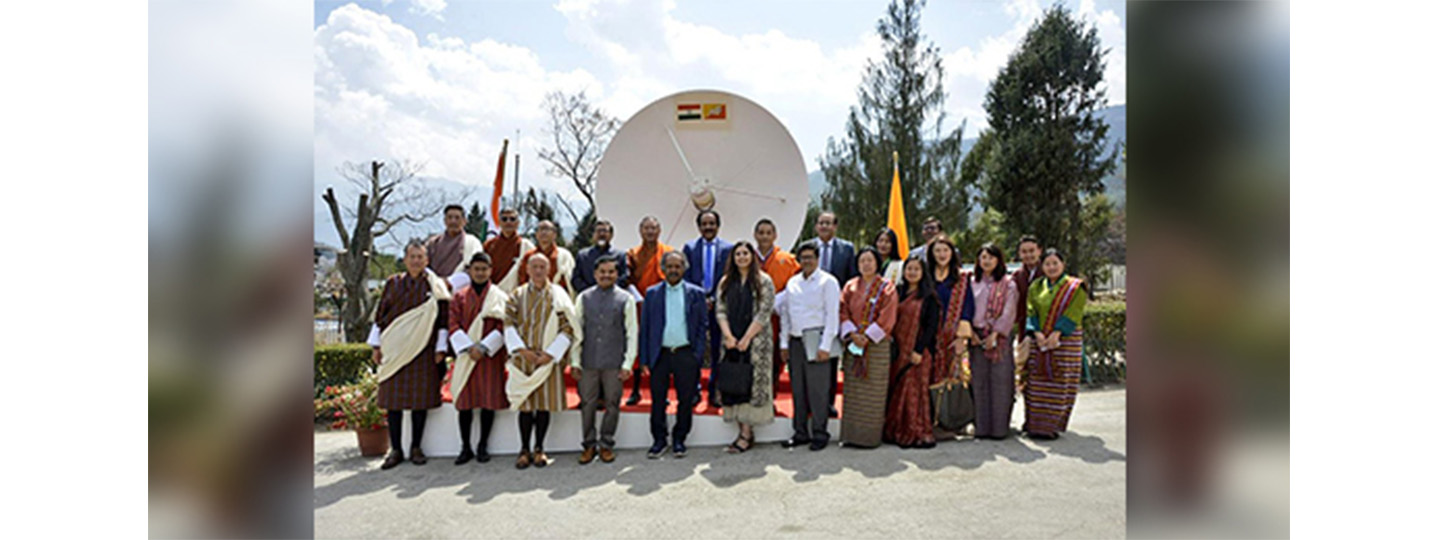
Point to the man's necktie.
(709, 264)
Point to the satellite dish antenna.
(696, 150)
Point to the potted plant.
(355, 407)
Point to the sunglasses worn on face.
(509, 219)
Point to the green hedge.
(340, 364)
(1104, 342)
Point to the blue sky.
(444, 82)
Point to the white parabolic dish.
(704, 142)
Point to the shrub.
(340, 364)
(1105, 342)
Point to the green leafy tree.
(900, 110)
(1042, 160)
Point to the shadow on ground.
(563, 479)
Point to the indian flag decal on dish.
(687, 111)
(700, 112)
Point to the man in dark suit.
(837, 258)
(706, 257)
(674, 317)
(584, 275)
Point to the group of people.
(515, 314)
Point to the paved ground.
(1016, 488)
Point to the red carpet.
(784, 404)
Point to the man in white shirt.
(812, 303)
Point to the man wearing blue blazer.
(837, 258)
(707, 256)
(673, 322)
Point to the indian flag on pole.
(897, 211)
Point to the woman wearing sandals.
(747, 298)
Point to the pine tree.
(475, 222)
(900, 110)
(1047, 150)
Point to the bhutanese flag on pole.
(499, 190)
(897, 212)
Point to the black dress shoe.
(417, 457)
(795, 441)
(465, 456)
(818, 444)
(634, 399)
(392, 459)
(481, 456)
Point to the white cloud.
(654, 54)
(382, 92)
(969, 70)
(432, 8)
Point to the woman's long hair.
(926, 287)
(930, 258)
(994, 251)
(894, 245)
(732, 272)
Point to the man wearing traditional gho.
(584, 275)
(1028, 272)
(409, 342)
(707, 255)
(477, 319)
(645, 272)
(505, 250)
(606, 340)
(837, 258)
(538, 333)
(1052, 374)
(562, 263)
(450, 251)
(780, 265)
(867, 319)
(673, 321)
(812, 306)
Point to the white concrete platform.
(442, 433)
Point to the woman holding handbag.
(954, 408)
(746, 300)
(991, 357)
(867, 317)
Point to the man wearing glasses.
(930, 229)
(505, 249)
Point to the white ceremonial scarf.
(408, 333)
(565, 267)
(493, 308)
(519, 385)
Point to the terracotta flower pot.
(373, 442)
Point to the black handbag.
(952, 406)
(734, 377)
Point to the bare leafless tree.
(579, 132)
(390, 194)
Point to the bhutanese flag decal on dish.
(701, 114)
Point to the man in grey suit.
(837, 258)
(929, 229)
